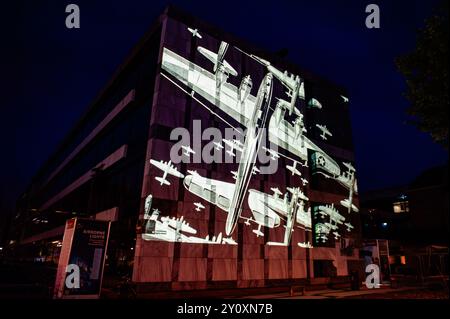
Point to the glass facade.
(69, 184)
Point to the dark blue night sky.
(53, 73)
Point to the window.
(195, 188)
(401, 207)
(209, 195)
(223, 202)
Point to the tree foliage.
(426, 74)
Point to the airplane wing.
(159, 165)
(217, 192)
(211, 56)
(195, 33)
(218, 58)
(237, 147)
(222, 50)
(166, 168)
(203, 82)
(173, 171)
(229, 68)
(274, 154)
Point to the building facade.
(220, 166)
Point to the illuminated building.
(207, 224)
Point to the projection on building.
(267, 114)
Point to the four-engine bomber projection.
(264, 116)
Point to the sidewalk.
(332, 293)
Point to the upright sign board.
(82, 259)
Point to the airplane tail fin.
(162, 181)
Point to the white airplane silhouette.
(247, 220)
(293, 169)
(305, 245)
(199, 206)
(297, 192)
(195, 33)
(234, 145)
(167, 168)
(222, 69)
(344, 98)
(255, 170)
(349, 166)
(304, 181)
(229, 241)
(349, 226)
(293, 83)
(333, 214)
(218, 146)
(276, 192)
(274, 155)
(178, 223)
(351, 207)
(258, 231)
(187, 150)
(331, 226)
(325, 131)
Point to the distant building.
(414, 219)
(205, 225)
(416, 213)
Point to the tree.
(426, 74)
